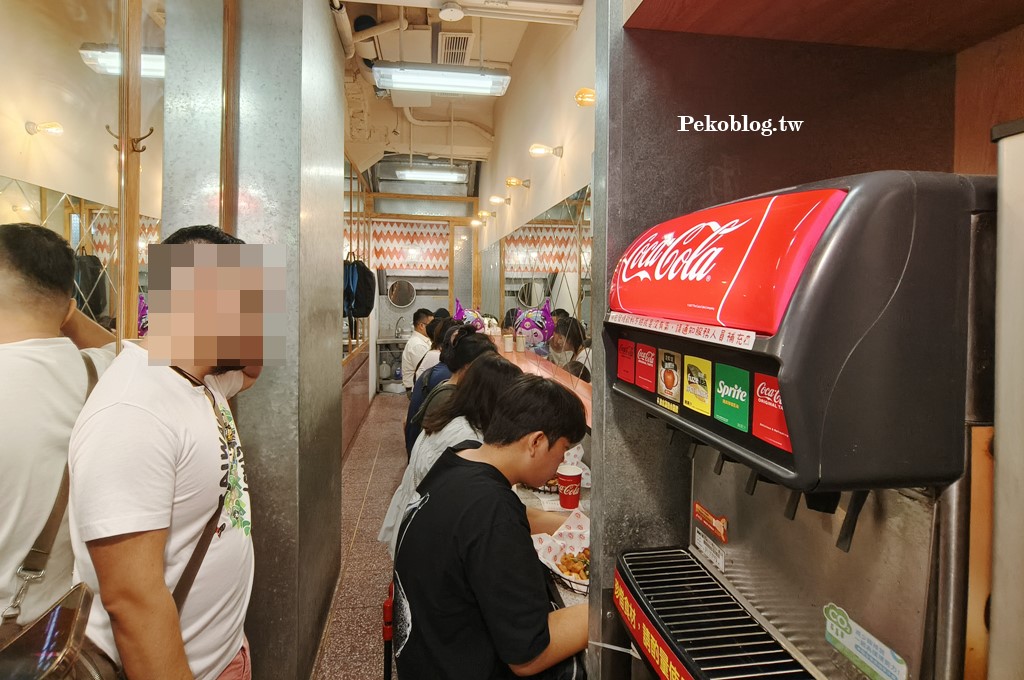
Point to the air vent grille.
(453, 49)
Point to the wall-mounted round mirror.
(531, 294)
(401, 294)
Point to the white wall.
(45, 79)
(551, 64)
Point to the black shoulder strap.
(33, 567)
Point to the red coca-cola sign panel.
(735, 265)
(626, 367)
(646, 367)
(769, 420)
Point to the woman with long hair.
(461, 346)
(464, 417)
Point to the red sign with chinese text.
(650, 642)
(625, 369)
(646, 367)
(769, 421)
(736, 265)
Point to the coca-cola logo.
(569, 489)
(769, 394)
(667, 256)
(645, 357)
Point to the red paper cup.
(570, 478)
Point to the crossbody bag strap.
(188, 576)
(33, 567)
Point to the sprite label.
(732, 396)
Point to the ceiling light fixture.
(106, 60)
(585, 96)
(516, 182)
(484, 214)
(454, 175)
(476, 223)
(451, 11)
(52, 128)
(500, 200)
(540, 150)
(438, 78)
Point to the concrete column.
(291, 189)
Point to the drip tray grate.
(688, 625)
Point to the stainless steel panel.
(789, 570)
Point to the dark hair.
(441, 326)
(578, 369)
(572, 331)
(442, 313)
(40, 257)
(536, 404)
(202, 233)
(462, 344)
(560, 314)
(485, 381)
(421, 315)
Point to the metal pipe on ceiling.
(341, 22)
(520, 15)
(479, 129)
(380, 29)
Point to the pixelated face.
(216, 305)
(557, 342)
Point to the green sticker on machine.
(732, 396)
(873, 658)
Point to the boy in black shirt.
(470, 594)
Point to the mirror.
(531, 294)
(402, 294)
(547, 259)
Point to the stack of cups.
(508, 341)
(570, 478)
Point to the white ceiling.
(380, 125)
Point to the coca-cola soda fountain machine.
(827, 349)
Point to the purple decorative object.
(536, 324)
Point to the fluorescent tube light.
(431, 174)
(106, 60)
(444, 79)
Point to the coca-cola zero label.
(734, 265)
(769, 422)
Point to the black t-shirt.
(470, 592)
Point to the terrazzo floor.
(352, 646)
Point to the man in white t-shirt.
(151, 463)
(417, 345)
(42, 390)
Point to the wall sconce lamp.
(484, 214)
(512, 182)
(540, 150)
(51, 128)
(500, 200)
(476, 223)
(585, 96)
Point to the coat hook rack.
(135, 140)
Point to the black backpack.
(360, 289)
